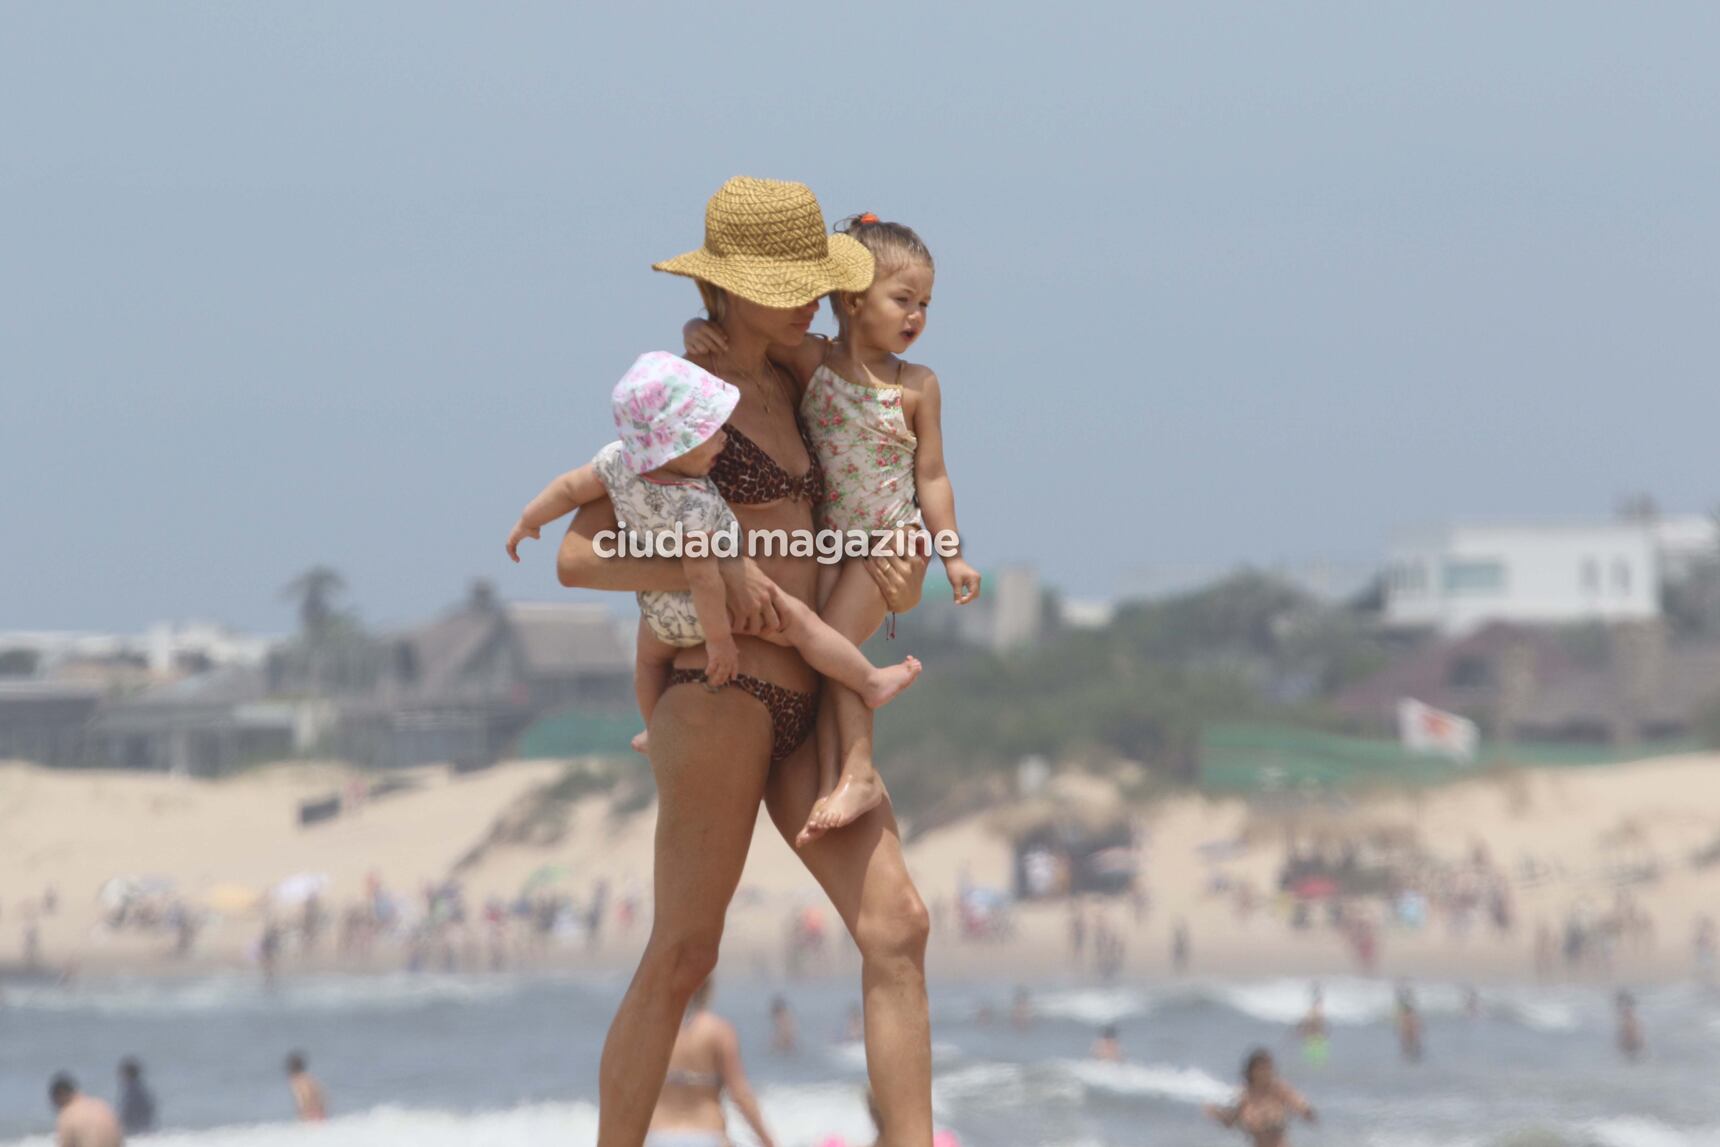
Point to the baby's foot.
(886, 683)
(641, 743)
(857, 794)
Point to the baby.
(670, 414)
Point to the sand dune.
(74, 830)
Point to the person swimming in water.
(308, 1096)
(82, 1120)
(1408, 1026)
(1313, 1029)
(704, 1065)
(1267, 1104)
(1630, 1042)
(1107, 1048)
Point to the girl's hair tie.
(868, 217)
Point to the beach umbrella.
(121, 890)
(1113, 862)
(1316, 888)
(543, 877)
(298, 888)
(230, 897)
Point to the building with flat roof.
(1460, 578)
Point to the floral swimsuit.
(862, 439)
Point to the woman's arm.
(1294, 1101)
(702, 337)
(739, 1089)
(579, 565)
(932, 485)
(1224, 1115)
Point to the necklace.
(764, 387)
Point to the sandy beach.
(72, 831)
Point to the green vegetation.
(1247, 648)
(1708, 724)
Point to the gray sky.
(346, 283)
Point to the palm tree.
(315, 590)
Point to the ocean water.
(502, 1060)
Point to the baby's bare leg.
(838, 658)
(652, 661)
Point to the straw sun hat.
(765, 241)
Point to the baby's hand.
(964, 580)
(703, 337)
(722, 660)
(520, 533)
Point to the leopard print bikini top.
(746, 476)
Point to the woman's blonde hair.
(716, 300)
(893, 246)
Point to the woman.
(705, 1062)
(766, 262)
(1266, 1105)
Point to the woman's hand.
(898, 580)
(752, 598)
(518, 534)
(703, 338)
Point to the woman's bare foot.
(883, 687)
(641, 743)
(857, 794)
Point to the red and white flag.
(1425, 729)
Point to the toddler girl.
(876, 423)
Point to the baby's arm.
(932, 485)
(703, 337)
(710, 602)
(563, 496)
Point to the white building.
(165, 647)
(1018, 608)
(1463, 577)
(1685, 541)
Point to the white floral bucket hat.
(666, 407)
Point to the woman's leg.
(652, 660)
(825, 745)
(863, 872)
(710, 755)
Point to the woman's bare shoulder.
(709, 1025)
(800, 363)
(704, 362)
